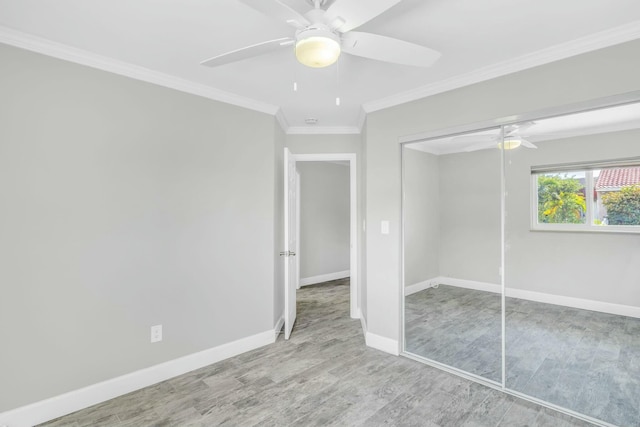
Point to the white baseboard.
(421, 286)
(470, 284)
(585, 304)
(279, 325)
(459, 283)
(324, 278)
(67, 403)
(382, 343)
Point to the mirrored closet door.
(521, 252)
(572, 262)
(452, 251)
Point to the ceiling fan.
(321, 35)
(513, 138)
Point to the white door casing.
(290, 243)
(297, 249)
(353, 204)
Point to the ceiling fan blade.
(528, 144)
(518, 128)
(388, 49)
(278, 11)
(345, 15)
(247, 52)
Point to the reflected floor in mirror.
(457, 327)
(582, 360)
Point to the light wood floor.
(323, 376)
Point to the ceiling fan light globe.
(510, 143)
(317, 51)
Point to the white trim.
(353, 221)
(90, 59)
(324, 157)
(470, 284)
(279, 324)
(298, 245)
(67, 403)
(420, 286)
(362, 118)
(610, 37)
(382, 343)
(282, 120)
(585, 304)
(324, 278)
(363, 323)
(323, 130)
(563, 110)
(353, 238)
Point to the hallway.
(324, 375)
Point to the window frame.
(589, 186)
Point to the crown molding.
(61, 51)
(607, 38)
(323, 130)
(362, 118)
(586, 44)
(282, 120)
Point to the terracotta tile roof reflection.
(618, 177)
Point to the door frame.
(354, 292)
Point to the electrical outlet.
(156, 333)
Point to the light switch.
(384, 227)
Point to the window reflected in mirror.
(572, 250)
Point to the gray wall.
(124, 205)
(421, 216)
(584, 77)
(470, 212)
(323, 144)
(324, 218)
(452, 216)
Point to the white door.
(290, 243)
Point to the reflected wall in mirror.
(572, 263)
(452, 251)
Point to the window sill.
(609, 229)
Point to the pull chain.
(337, 83)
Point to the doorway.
(350, 161)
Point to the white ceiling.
(164, 41)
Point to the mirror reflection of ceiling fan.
(323, 34)
(514, 137)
